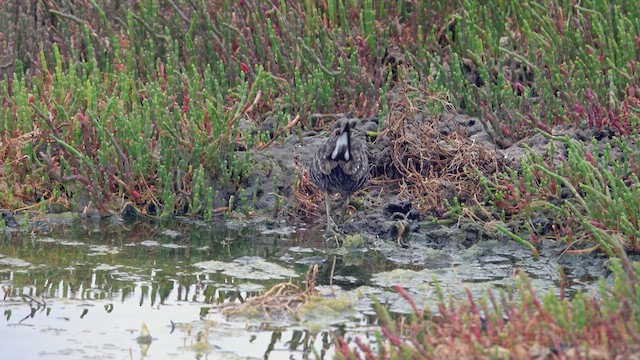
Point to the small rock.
(413, 214)
(402, 207)
(8, 218)
(130, 212)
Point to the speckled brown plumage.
(341, 164)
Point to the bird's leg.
(332, 229)
(331, 225)
(345, 207)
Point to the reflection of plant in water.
(35, 304)
(301, 340)
(281, 300)
(506, 326)
(195, 339)
(288, 300)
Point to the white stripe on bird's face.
(342, 147)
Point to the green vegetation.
(142, 100)
(507, 327)
(157, 104)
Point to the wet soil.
(408, 230)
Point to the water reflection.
(85, 289)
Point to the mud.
(406, 231)
(280, 169)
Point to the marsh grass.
(590, 190)
(149, 102)
(159, 104)
(514, 323)
(603, 181)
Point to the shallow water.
(83, 289)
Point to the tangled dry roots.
(309, 198)
(283, 299)
(425, 160)
(433, 159)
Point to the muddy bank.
(410, 228)
(419, 168)
(386, 207)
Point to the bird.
(340, 165)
